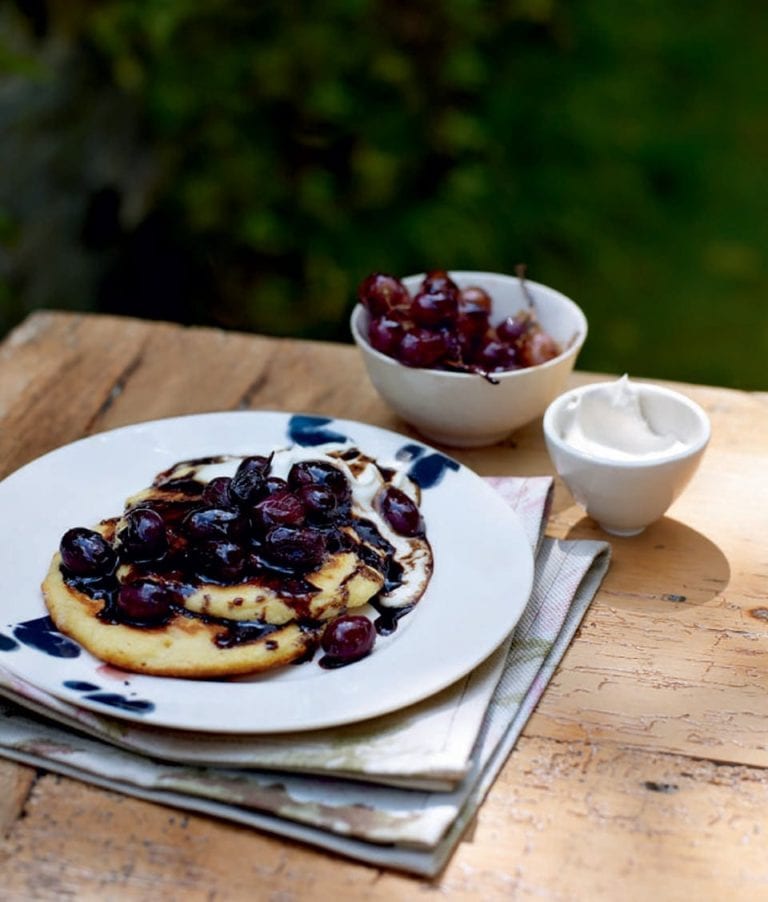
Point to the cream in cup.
(625, 450)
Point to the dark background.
(246, 164)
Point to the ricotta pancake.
(235, 565)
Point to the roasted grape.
(280, 508)
(473, 316)
(400, 511)
(318, 472)
(538, 348)
(438, 280)
(474, 300)
(217, 492)
(434, 308)
(422, 347)
(385, 334)
(274, 484)
(294, 547)
(85, 552)
(213, 523)
(142, 536)
(380, 293)
(348, 638)
(247, 484)
(220, 561)
(145, 602)
(514, 328)
(496, 356)
(320, 504)
(445, 327)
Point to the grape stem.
(520, 271)
(461, 367)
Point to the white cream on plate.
(609, 422)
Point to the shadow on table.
(668, 563)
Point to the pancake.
(182, 646)
(226, 589)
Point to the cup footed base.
(462, 441)
(623, 532)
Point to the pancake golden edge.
(187, 646)
(181, 647)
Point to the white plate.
(483, 573)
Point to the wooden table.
(641, 774)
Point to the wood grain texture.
(642, 771)
(564, 821)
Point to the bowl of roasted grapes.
(466, 358)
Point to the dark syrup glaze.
(241, 632)
(386, 623)
(193, 463)
(183, 486)
(178, 567)
(327, 662)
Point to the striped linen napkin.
(395, 791)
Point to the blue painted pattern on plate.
(115, 700)
(428, 471)
(80, 685)
(95, 693)
(42, 635)
(8, 644)
(309, 431)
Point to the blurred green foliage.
(247, 164)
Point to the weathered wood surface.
(640, 775)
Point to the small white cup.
(625, 496)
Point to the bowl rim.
(691, 450)
(572, 350)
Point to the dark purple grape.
(348, 638)
(474, 300)
(380, 293)
(220, 561)
(471, 329)
(422, 348)
(320, 504)
(213, 523)
(85, 552)
(217, 494)
(453, 347)
(146, 602)
(281, 508)
(496, 356)
(400, 512)
(385, 334)
(247, 484)
(319, 472)
(473, 319)
(294, 547)
(512, 329)
(275, 484)
(446, 328)
(434, 308)
(438, 280)
(142, 536)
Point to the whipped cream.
(609, 422)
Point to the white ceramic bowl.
(625, 496)
(464, 409)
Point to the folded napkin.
(395, 791)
